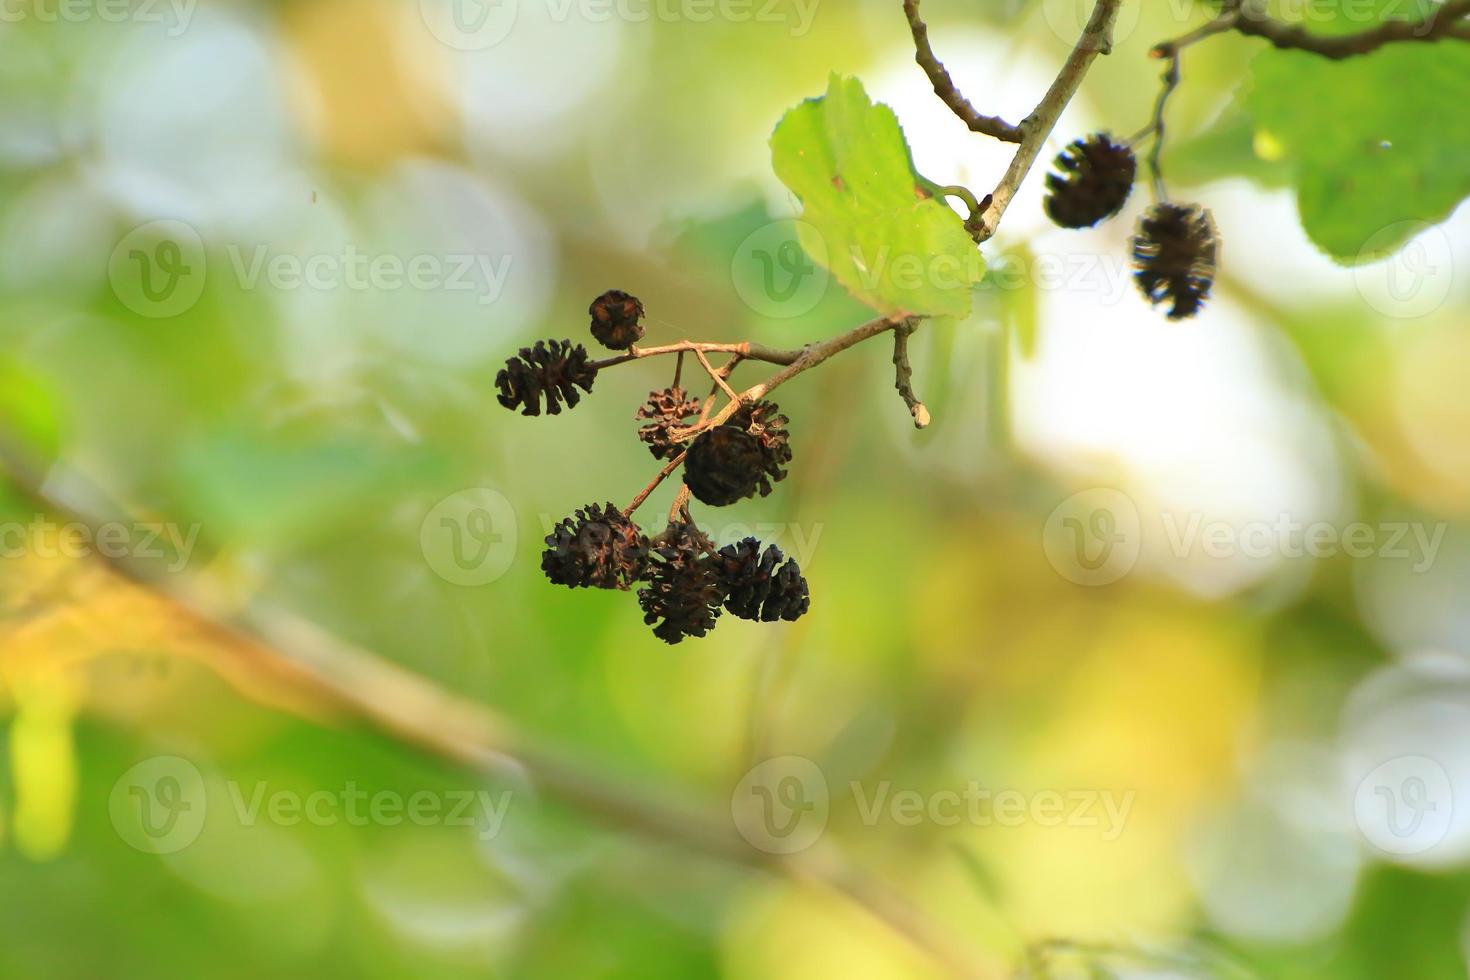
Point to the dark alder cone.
(725, 464)
(1092, 181)
(665, 410)
(552, 370)
(1174, 253)
(683, 592)
(597, 547)
(764, 421)
(615, 316)
(760, 586)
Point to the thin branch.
(1446, 21)
(1096, 39)
(945, 88)
(904, 375)
(746, 350)
(1155, 127)
(719, 380)
(660, 477)
(300, 658)
(813, 355)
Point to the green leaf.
(866, 215)
(30, 411)
(1377, 144)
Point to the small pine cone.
(1095, 178)
(615, 316)
(666, 410)
(764, 421)
(596, 547)
(1174, 254)
(725, 464)
(759, 586)
(683, 594)
(553, 370)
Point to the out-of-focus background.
(1151, 655)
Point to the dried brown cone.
(683, 592)
(597, 547)
(1174, 254)
(764, 421)
(725, 464)
(665, 410)
(761, 586)
(1091, 182)
(615, 316)
(551, 371)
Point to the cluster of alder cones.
(1175, 247)
(686, 581)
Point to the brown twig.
(1096, 39)
(811, 356)
(746, 350)
(719, 379)
(661, 476)
(1446, 21)
(1155, 128)
(944, 85)
(904, 374)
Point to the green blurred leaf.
(1377, 144)
(251, 489)
(867, 217)
(1227, 148)
(30, 412)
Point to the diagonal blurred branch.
(359, 685)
